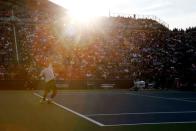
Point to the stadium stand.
(117, 48)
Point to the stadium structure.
(115, 49)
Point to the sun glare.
(84, 11)
(81, 16)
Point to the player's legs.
(46, 91)
(54, 89)
(52, 86)
(45, 94)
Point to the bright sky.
(177, 13)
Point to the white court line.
(164, 98)
(160, 123)
(142, 113)
(76, 113)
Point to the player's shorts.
(50, 85)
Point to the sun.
(81, 15)
(83, 11)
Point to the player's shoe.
(49, 101)
(42, 101)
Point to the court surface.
(118, 108)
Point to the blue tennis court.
(116, 108)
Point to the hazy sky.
(177, 13)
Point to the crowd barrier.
(66, 84)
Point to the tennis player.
(50, 84)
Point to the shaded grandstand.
(113, 48)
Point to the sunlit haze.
(84, 10)
(177, 13)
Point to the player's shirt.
(48, 74)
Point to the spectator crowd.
(117, 48)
